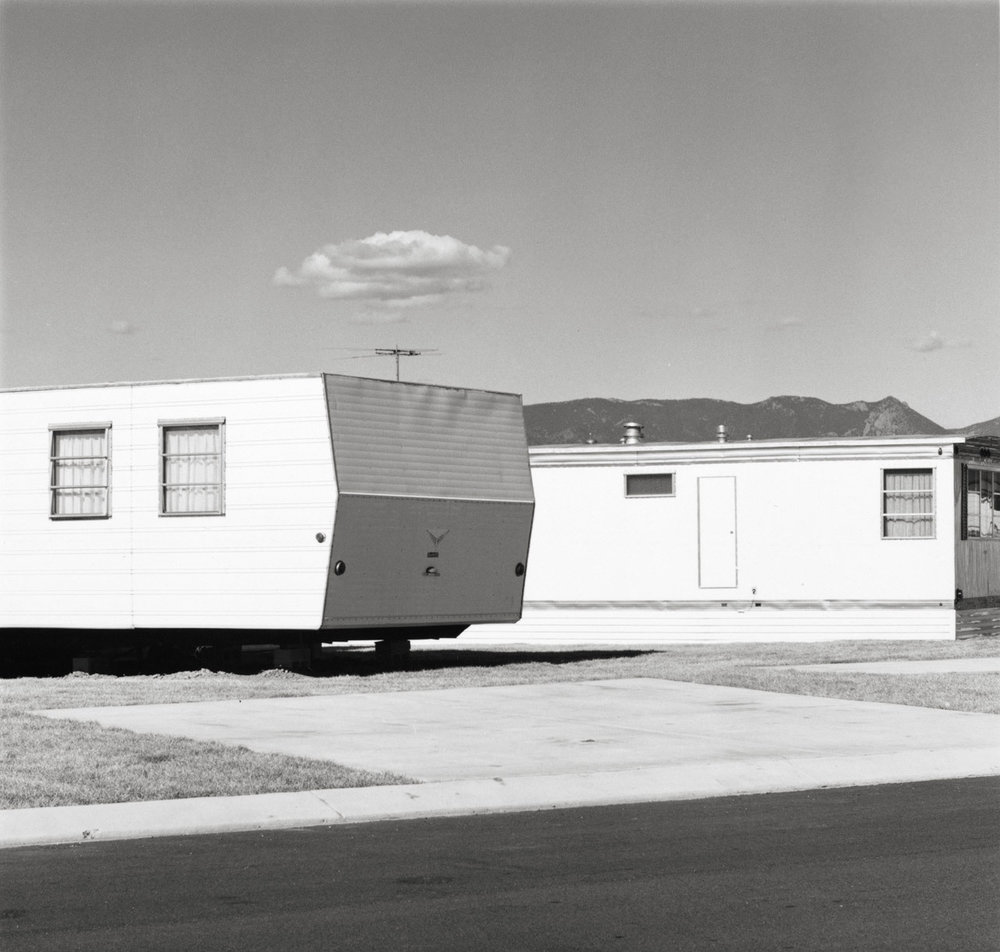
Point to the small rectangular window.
(908, 504)
(649, 484)
(191, 469)
(80, 473)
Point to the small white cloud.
(935, 341)
(121, 327)
(931, 341)
(284, 278)
(397, 269)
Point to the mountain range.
(600, 420)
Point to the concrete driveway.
(578, 728)
(495, 749)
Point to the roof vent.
(633, 434)
(721, 435)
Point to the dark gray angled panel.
(402, 439)
(424, 561)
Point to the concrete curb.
(938, 666)
(274, 811)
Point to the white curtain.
(192, 469)
(908, 504)
(80, 473)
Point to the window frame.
(883, 496)
(55, 430)
(661, 473)
(994, 474)
(219, 423)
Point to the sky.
(562, 200)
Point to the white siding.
(811, 559)
(808, 529)
(257, 566)
(71, 572)
(628, 625)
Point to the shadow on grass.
(362, 662)
(336, 661)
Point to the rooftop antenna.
(398, 352)
(370, 352)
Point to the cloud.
(929, 342)
(121, 327)
(399, 269)
(935, 341)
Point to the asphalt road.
(903, 867)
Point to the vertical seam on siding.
(327, 402)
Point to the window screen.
(649, 484)
(192, 469)
(908, 504)
(80, 467)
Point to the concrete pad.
(530, 748)
(935, 666)
(567, 729)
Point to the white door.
(717, 532)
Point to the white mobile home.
(344, 506)
(763, 540)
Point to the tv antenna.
(398, 352)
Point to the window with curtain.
(79, 481)
(908, 504)
(192, 469)
(982, 507)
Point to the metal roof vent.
(633, 434)
(721, 435)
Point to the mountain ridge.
(693, 420)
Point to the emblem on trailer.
(437, 535)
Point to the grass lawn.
(52, 763)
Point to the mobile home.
(772, 540)
(341, 506)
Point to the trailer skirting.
(737, 621)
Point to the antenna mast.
(397, 352)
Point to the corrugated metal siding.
(402, 439)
